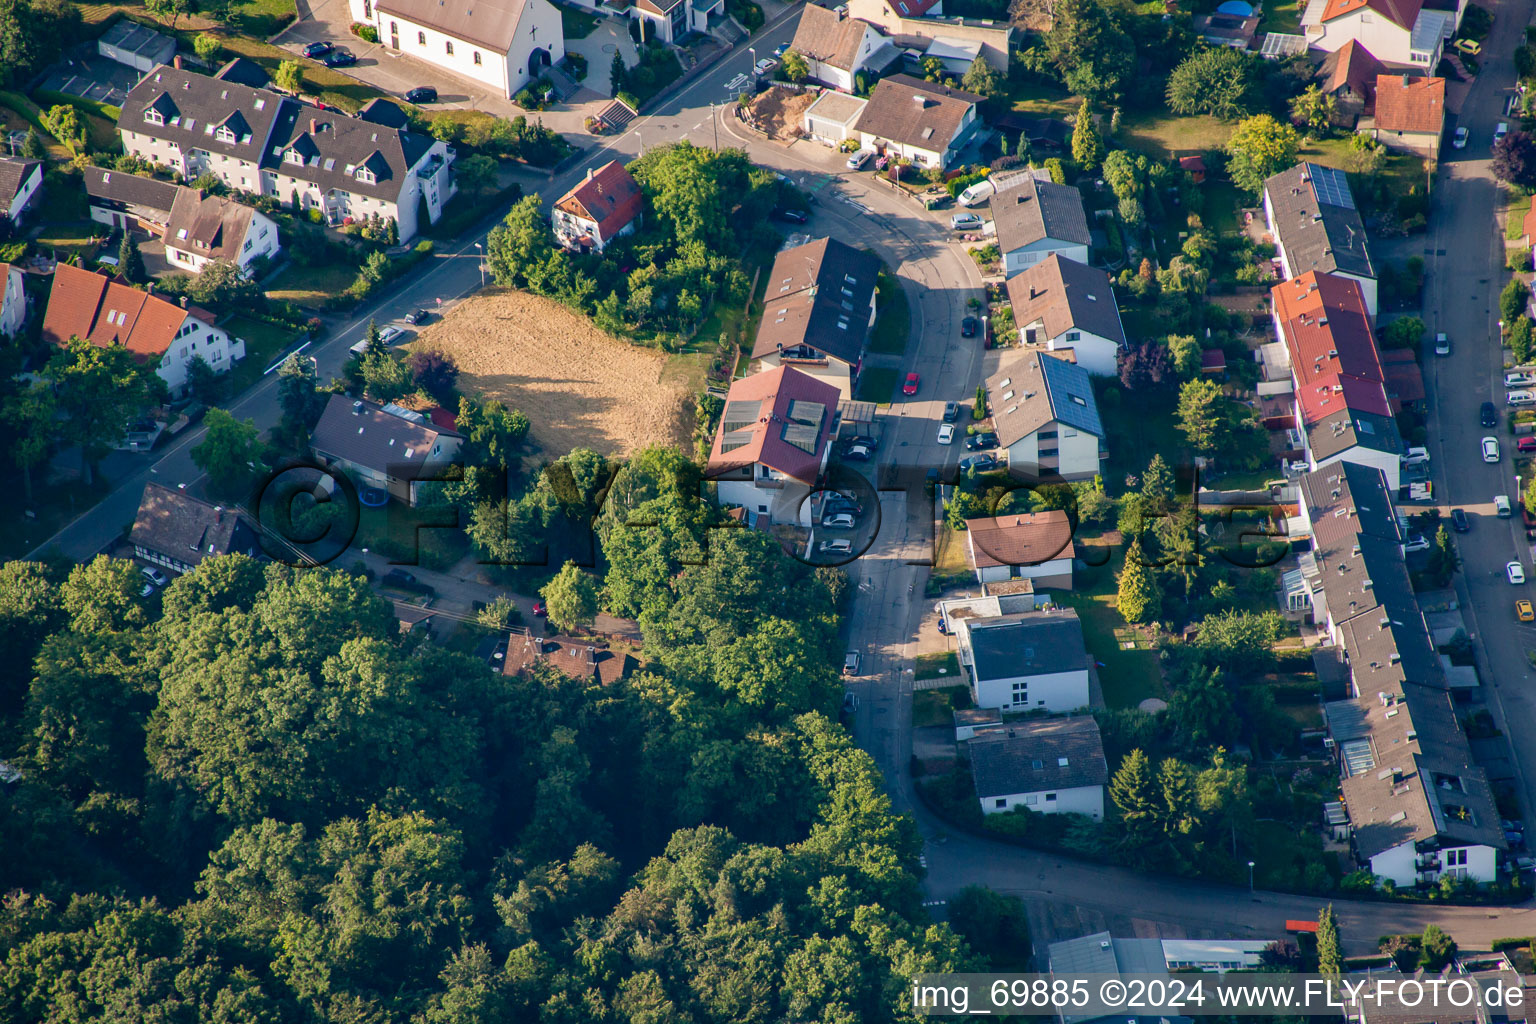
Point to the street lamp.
(752, 51)
(481, 250)
(1250, 878)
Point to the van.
(359, 349)
(978, 192)
(1518, 398)
(1501, 505)
(1519, 379)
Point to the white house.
(1034, 218)
(1069, 307)
(772, 444)
(924, 122)
(203, 228)
(670, 20)
(836, 47)
(13, 308)
(1400, 33)
(1316, 226)
(108, 312)
(1026, 661)
(1410, 114)
(504, 44)
(1030, 546)
(606, 204)
(818, 309)
(124, 201)
(21, 183)
(921, 26)
(1046, 416)
(257, 141)
(385, 446)
(1049, 765)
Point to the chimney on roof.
(218, 513)
(176, 62)
(589, 174)
(183, 302)
(357, 408)
(1405, 79)
(314, 126)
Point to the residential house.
(772, 444)
(385, 447)
(21, 183)
(832, 118)
(1316, 226)
(1033, 546)
(1401, 33)
(925, 122)
(1046, 417)
(1221, 29)
(916, 24)
(818, 310)
(1341, 402)
(1410, 114)
(606, 204)
(178, 532)
(13, 305)
(1049, 765)
(837, 47)
(1069, 307)
(504, 44)
(887, 13)
(157, 331)
(1027, 661)
(136, 46)
(203, 228)
(1103, 954)
(1035, 218)
(579, 659)
(1349, 75)
(125, 202)
(670, 20)
(255, 140)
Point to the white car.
(1518, 398)
(1442, 344)
(1417, 542)
(765, 65)
(1490, 449)
(1501, 131)
(839, 521)
(154, 575)
(965, 221)
(1516, 573)
(1459, 140)
(946, 433)
(388, 335)
(1519, 378)
(860, 158)
(835, 547)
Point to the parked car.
(1459, 140)
(982, 442)
(1526, 444)
(1518, 379)
(946, 433)
(389, 335)
(148, 590)
(851, 668)
(1471, 46)
(857, 453)
(1488, 416)
(791, 216)
(909, 386)
(965, 221)
(1442, 344)
(539, 610)
(341, 57)
(402, 580)
(1524, 613)
(765, 65)
(841, 503)
(980, 463)
(316, 50)
(835, 547)
(1519, 398)
(862, 439)
(968, 327)
(1416, 542)
(1502, 507)
(780, 50)
(421, 94)
(1501, 131)
(1459, 521)
(416, 316)
(154, 575)
(951, 411)
(1516, 573)
(837, 521)
(859, 159)
(1490, 449)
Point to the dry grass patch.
(579, 387)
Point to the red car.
(539, 610)
(910, 387)
(1526, 444)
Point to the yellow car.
(1471, 46)
(1524, 612)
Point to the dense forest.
(259, 802)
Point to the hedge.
(1500, 945)
(48, 98)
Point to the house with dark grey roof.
(204, 228)
(925, 122)
(1048, 765)
(255, 140)
(818, 310)
(125, 201)
(385, 447)
(21, 184)
(1312, 215)
(1046, 416)
(836, 47)
(1025, 661)
(1069, 308)
(1034, 218)
(504, 44)
(772, 444)
(177, 531)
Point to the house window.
(477, 57)
(153, 116)
(1021, 693)
(1074, 335)
(762, 508)
(1031, 800)
(450, 48)
(421, 39)
(1002, 801)
(1455, 858)
(1050, 798)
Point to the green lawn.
(1138, 426)
(878, 384)
(1281, 16)
(578, 24)
(1128, 676)
(263, 18)
(940, 665)
(937, 707)
(1039, 99)
(311, 286)
(76, 238)
(1519, 205)
(407, 536)
(894, 324)
(1165, 135)
(263, 341)
(1222, 201)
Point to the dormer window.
(225, 135)
(153, 116)
(366, 176)
(293, 156)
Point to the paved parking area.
(92, 77)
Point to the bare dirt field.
(578, 387)
(778, 112)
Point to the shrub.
(367, 33)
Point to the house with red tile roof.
(772, 443)
(1340, 386)
(1410, 114)
(1349, 75)
(574, 657)
(1402, 34)
(107, 311)
(604, 206)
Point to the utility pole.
(714, 119)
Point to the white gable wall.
(1087, 800)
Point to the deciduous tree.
(1514, 160)
(289, 77)
(1217, 81)
(1094, 55)
(100, 390)
(795, 67)
(1259, 147)
(571, 598)
(981, 79)
(230, 453)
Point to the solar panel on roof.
(802, 411)
(802, 436)
(1332, 187)
(735, 439)
(740, 415)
